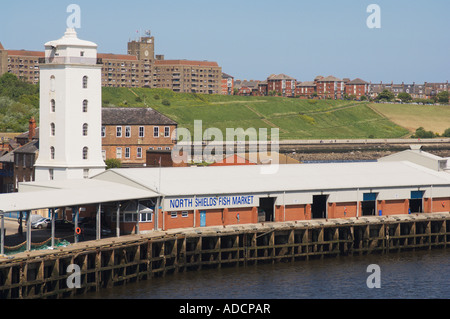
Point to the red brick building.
(357, 87)
(227, 84)
(330, 87)
(305, 90)
(281, 85)
(127, 133)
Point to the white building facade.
(70, 110)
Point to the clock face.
(146, 53)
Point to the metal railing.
(70, 60)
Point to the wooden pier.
(118, 261)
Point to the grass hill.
(297, 119)
(435, 118)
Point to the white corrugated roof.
(69, 193)
(249, 179)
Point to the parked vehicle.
(41, 223)
(62, 224)
(33, 218)
(90, 229)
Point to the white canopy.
(92, 192)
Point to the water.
(406, 275)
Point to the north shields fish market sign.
(211, 202)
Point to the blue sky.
(252, 39)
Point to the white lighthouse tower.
(70, 145)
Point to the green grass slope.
(296, 119)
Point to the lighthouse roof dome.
(70, 38)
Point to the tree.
(421, 133)
(405, 97)
(113, 163)
(446, 133)
(386, 95)
(443, 97)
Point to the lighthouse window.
(52, 153)
(85, 153)
(53, 106)
(85, 130)
(52, 129)
(85, 82)
(85, 106)
(52, 83)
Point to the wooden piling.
(112, 262)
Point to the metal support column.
(53, 216)
(118, 220)
(29, 230)
(137, 217)
(2, 234)
(156, 226)
(75, 216)
(98, 227)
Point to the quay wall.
(117, 261)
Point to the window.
(104, 155)
(174, 214)
(118, 131)
(127, 131)
(86, 173)
(119, 152)
(85, 82)
(139, 152)
(184, 214)
(85, 129)
(167, 131)
(85, 106)
(127, 152)
(52, 106)
(82, 53)
(52, 153)
(156, 131)
(52, 129)
(51, 174)
(141, 131)
(52, 83)
(146, 217)
(85, 153)
(103, 131)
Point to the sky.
(252, 39)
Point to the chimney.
(31, 129)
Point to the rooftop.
(70, 38)
(187, 62)
(280, 77)
(134, 116)
(295, 177)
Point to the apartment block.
(188, 76)
(140, 67)
(281, 84)
(227, 84)
(306, 89)
(357, 87)
(330, 87)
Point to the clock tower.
(144, 50)
(70, 145)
